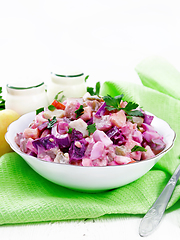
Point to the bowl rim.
(17, 150)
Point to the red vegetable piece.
(58, 105)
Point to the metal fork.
(153, 217)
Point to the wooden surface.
(107, 227)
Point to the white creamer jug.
(71, 85)
(24, 99)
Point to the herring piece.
(79, 125)
(59, 113)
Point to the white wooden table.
(107, 227)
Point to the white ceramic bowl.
(91, 179)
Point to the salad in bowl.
(91, 131)
(91, 143)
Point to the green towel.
(157, 73)
(27, 197)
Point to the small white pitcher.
(25, 99)
(72, 85)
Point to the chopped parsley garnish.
(96, 91)
(136, 113)
(131, 106)
(2, 101)
(129, 117)
(90, 90)
(39, 110)
(69, 130)
(91, 128)
(113, 103)
(51, 107)
(138, 148)
(52, 122)
(57, 97)
(86, 78)
(79, 111)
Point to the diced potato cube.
(118, 119)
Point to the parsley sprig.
(69, 130)
(138, 148)
(86, 78)
(79, 111)
(95, 91)
(52, 122)
(57, 97)
(51, 107)
(91, 128)
(39, 110)
(113, 103)
(2, 101)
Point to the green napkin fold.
(157, 73)
(27, 197)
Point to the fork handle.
(153, 217)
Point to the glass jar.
(25, 99)
(72, 85)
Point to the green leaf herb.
(98, 86)
(51, 107)
(52, 122)
(114, 103)
(90, 90)
(86, 78)
(69, 130)
(136, 113)
(57, 97)
(2, 101)
(130, 106)
(96, 91)
(39, 110)
(79, 111)
(138, 148)
(91, 128)
(129, 110)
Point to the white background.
(105, 39)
